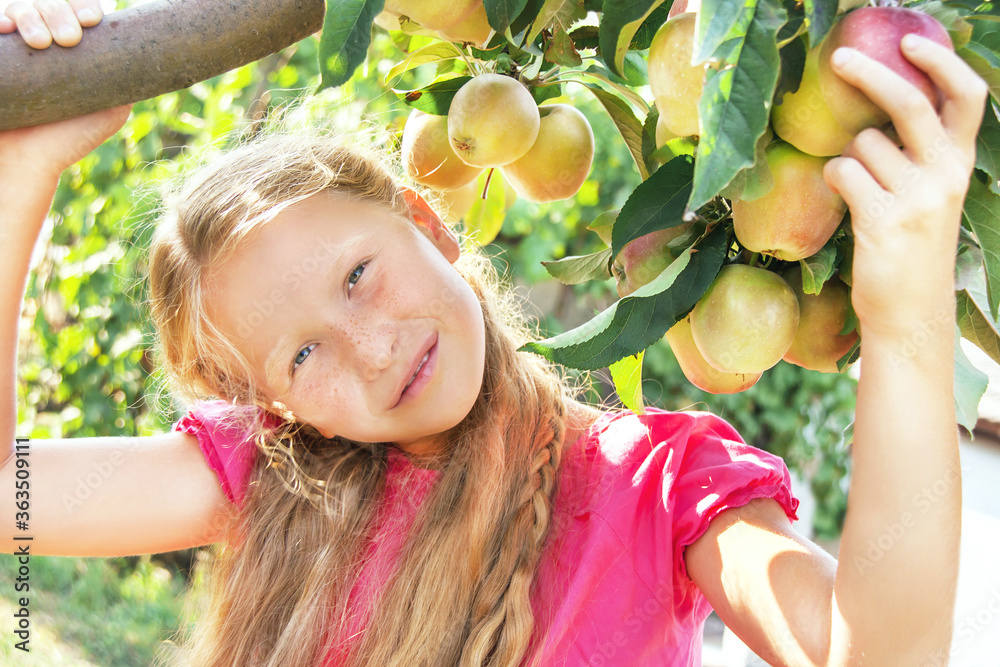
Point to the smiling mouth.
(417, 372)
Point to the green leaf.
(435, 98)
(621, 20)
(850, 356)
(628, 125)
(657, 203)
(986, 63)
(627, 376)
(718, 22)
(820, 15)
(347, 32)
(793, 63)
(603, 224)
(637, 321)
(581, 268)
(432, 53)
(819, 268)
(734, 106)
(501, 13)
(982, 215)
(754, 181)
(970, 385)
(958, 28)
(988, 145)
(643, 37)
(556, 14)
(485, 219)
(561, 50)
(972, 315)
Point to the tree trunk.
(145, 51)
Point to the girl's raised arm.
(87, 497)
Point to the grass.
(91, 611)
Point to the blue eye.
(355, 275)
(302, 356)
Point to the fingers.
(44, 21)
(912, 114)
(881, 157)
(865, 197)
(964, 91)
(88, 12)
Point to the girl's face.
(337, 302)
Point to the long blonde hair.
(461, 593)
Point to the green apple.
(803, 118)
(427, 155)
(676, 83)
(697, 370)
(492, 121)
(559, 161)
(746, 320)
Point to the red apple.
(876, 32)
(800, 213)
(697, 370)
(818, 344)
(645, 258)
(746, 320)
(675, 83)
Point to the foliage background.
(88, 367)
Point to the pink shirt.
(612, 587)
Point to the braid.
(501, 628)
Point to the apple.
(457, 203)
(803, 118)
(876, 32)
(746, 320)
(559, 161)
(492, 121)
(697, 370)
(676, 84)
(433, 14)
(475, 29)
(818, 343)
(683, 6)
(799, 214)
(427, 155)
(644, 258)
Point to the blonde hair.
(276, 592)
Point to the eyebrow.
(276, 371)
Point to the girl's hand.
(42, 21)
(906, 204)
(44, 151)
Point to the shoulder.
(226, 435)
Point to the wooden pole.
(138, 53)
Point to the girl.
(393, 484)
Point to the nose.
(374, 345)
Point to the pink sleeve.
(225, 439)
(716, 471)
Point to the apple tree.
(731, 246)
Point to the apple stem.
(486, 186)
(754, 258)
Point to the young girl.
(393, 484)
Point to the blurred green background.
(87, 366)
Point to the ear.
(437, 231)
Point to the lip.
(404, 393)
